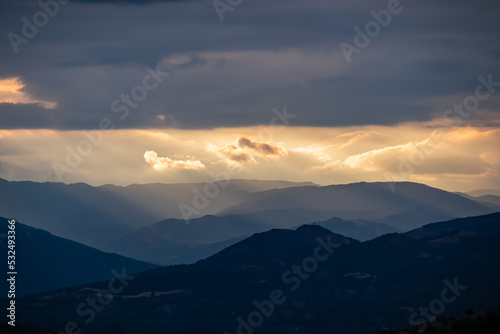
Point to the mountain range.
(96, 215)
(144, 221)
(307, 280)
(362, 211)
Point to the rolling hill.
(319, 282)
(45, 262)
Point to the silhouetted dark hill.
(19, 329)
(318, 286)
(487, 322)
(45, 262)
(486, 225)
(276, 244)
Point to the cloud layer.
(265, 54)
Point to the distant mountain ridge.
(371, 201)
(484, 192)
(131, 220)
(96, 215)
(175, 241)
(491, 201)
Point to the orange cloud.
(11, 92)
(264, 149)
(234, 153)
(245, 149)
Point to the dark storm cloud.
(34, 116)
(265, 54)
(135, 2)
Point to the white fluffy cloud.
(151, 157)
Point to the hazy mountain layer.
(96, 215)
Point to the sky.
(331, 92)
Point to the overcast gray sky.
(354, 118)
(264, 54)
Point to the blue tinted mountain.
(45, 262)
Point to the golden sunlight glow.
(11, 92)
(10, 85)
(456, 159)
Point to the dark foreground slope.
(358, 288)
(487, 322)
(45, 262)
